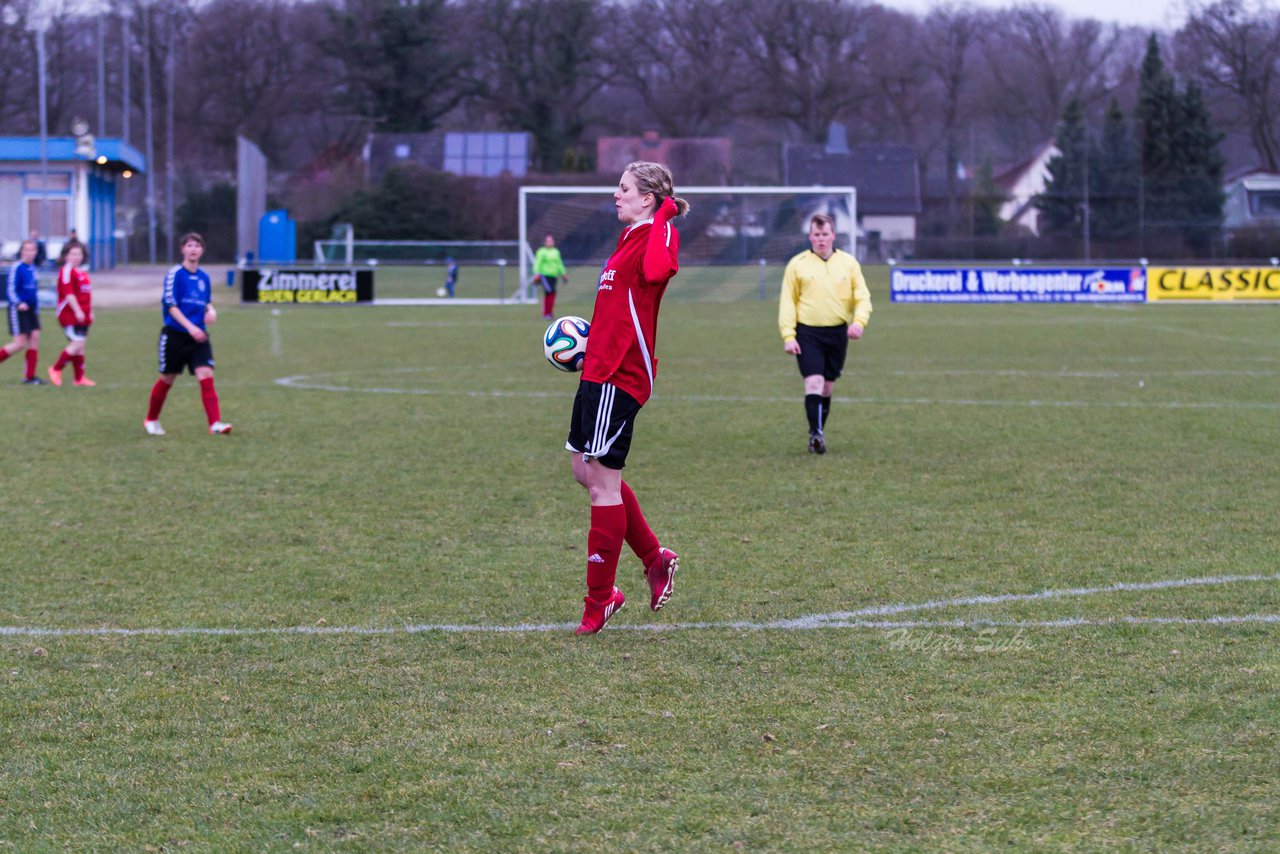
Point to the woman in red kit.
(75, 312)
(617, 379)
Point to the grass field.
(1029, 599)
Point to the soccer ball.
(565, 342)
(441, 292)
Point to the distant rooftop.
(887, 177)
(62, 149)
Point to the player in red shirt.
(75, 312)
(617, 379)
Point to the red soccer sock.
(159, 392)
(604, 545)
(32, 355)
(4, 353)
(63, 358)
(639, 535)
(77, 362)
(210, 398)
(548, 303)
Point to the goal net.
(352, 251)
(733, 242)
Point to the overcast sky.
(1161, 14)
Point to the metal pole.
(127, 47)
(146, 110)
(168, 133)
(41, 25)
(101, 129)
(1086, 194)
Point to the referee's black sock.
(813, 408)
(826, 411)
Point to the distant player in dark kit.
(184, 337)
(24, 311)
(450, 276)
(617, 379)
(824, 305)
(75, 312)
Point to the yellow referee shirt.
(822, 293)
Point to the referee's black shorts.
(178, 350)
(603, 419)
(822, 350)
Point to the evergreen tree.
(1182, 167)
(1158, 117)
(987, 198)
(1196, 147)
(1063, 195)
(1114, 179)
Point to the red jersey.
(73, 284)
(624, 326)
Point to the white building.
(1021, 183)
(1252, 199)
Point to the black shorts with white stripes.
(603, 418)
(178, 350)
(23, 322)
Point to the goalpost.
(726, 226)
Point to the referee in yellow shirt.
(824, 304)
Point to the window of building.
(1265, 203)
(57, 182)
(486, 153)
(58, 210)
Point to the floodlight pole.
(168, 133)
(147, 118)
(40, 23)
(101, 129)
(127, 48)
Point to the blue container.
(277, 238)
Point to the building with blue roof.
(79, 186)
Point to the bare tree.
(902, 107)
(951, 34)
(1233, 46)
(542, 62)
(682, 63)
(807, 60)
(405, 63)
(1037, 62)
(246, 73)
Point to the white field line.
(837, 620)
(308, 383)
(277, 344)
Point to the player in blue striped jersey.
(24, 311)
(184, 337)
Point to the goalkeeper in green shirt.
(548, 269)
(824, 305)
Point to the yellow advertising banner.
(1213, 283)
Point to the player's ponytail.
(656, 178)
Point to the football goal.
(733, 241)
